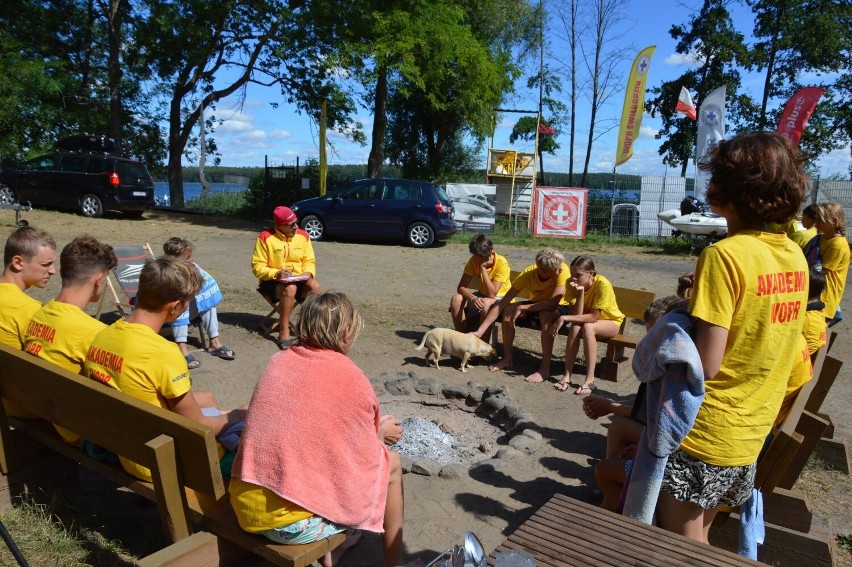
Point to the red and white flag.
(797, 112)
(546, 130)
(685, 105)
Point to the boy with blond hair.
(131, 354)
(541, 282)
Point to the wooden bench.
(631, 302)
(567, 532)
(791, 537)
(182, 455)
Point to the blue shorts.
(308, 530)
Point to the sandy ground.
(403, 292)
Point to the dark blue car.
(417, 212)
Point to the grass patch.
(45, 539)
(845, 541)
(230, 204)
(507, 234)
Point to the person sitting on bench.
(283, 260)
(312, 461)
(61, 331)
(131, 354)
(469, 306)
(544, 284)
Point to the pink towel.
(311, 437)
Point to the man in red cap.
(283, 260)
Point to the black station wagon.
(85, 180)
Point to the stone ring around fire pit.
(471, 420)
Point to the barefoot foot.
(535, 377)
(331, 558)
(562, 385)
(502, 364)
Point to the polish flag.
(685, 105)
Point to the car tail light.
(114, 180)
(442, 208)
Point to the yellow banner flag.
(634, 105)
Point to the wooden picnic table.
(567, 532)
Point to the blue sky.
(256, 129)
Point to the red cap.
(283, 215)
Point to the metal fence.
(628, 205)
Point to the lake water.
(192, 191)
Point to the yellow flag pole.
(323, 158)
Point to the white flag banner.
(711, 130)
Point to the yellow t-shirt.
(600, 296)
(16, 310)
(61, 333)
(140, 363)
(802, 237)
(537, 289)
(814, 330)
(259, 509)
(800, 374)
(499, 272)
(755, 285)
(835, 266)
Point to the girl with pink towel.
(312, 461)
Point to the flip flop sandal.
(191, 362)
(585, 390)
(284, 344)
(223, 352)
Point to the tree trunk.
(380, 121)
(114, 25)
(573, 91)
(176, 146)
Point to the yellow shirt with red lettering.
(16, 310)
(800, 374)
(537, 289)
(139, 362)
(499, 272)
(259, 509)
(754, 284)
(61, 333)
(273, 252)
(600, 296)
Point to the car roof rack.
(87, 144)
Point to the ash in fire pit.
(446, 436)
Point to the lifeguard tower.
(512, 172)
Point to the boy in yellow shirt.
(815, 324)
(543, 281)
(145, 365)
(494, 282)
(61, 331)
(29, 259)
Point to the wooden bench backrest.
(109, 418)
(633, 302)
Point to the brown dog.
(456, 344)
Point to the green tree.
(462, 68)
(718, 49)
(194, 44)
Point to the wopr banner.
(560, 212)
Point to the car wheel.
(314, 227)
(420, 235)
(7, 196)
(91, 206)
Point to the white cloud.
(691, 59)
(647, 132)
(234, 122)
(280, 134)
